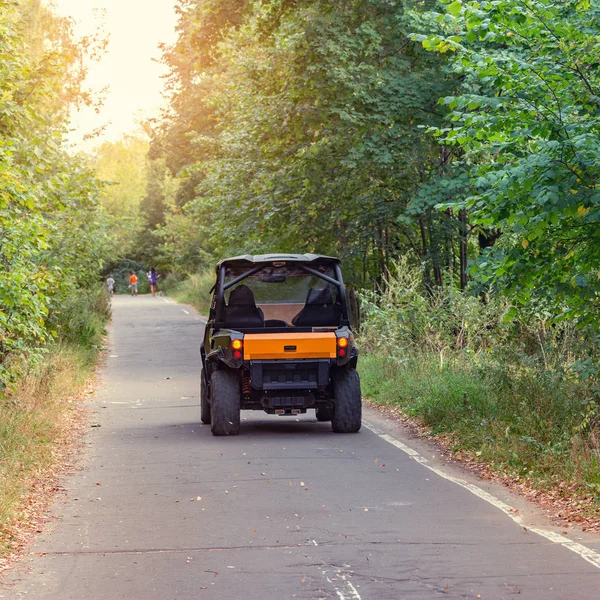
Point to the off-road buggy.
(278, 339)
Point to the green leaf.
(454, 8)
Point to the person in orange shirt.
(133, 283)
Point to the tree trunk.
(462, 217)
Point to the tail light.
(342, 346)
(237, 347)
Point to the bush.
(81, 318)
(504, 389)
(194, 290)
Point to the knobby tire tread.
(347, 415)
(225, 402)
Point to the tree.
(123, 168)
(300, 126)
(528, 122)
(52, 236)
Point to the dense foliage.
(52, 235)
(373, 129)
(301, 126)
(527, 120)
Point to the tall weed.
(194, 290)
(503, 388)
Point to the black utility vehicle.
(278, 339)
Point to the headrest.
(319, 297)
(241, 296)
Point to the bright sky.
(128, 69)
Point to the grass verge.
(195, 290)
(525, 423)
(38, 422)
(42, 416)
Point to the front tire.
(347, 414)
(204, 401)
(225, 402)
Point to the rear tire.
(324, 413)
(225, 402)
(204, 401)
(347, 414)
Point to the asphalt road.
(162, 510)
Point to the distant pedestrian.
(133, 283)
(152, 279)
(110, 285)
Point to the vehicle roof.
(256, 259)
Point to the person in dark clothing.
(152, 279)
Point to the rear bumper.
(289, 374)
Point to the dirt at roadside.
(44, 488)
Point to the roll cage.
(254, 264)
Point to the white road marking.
(346, 591)
(187, 312)
(168, 300)
(586, 553)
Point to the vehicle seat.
(319, 310)
(275, 323)
(242, 310)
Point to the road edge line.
(584, 552)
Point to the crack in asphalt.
(326, 544)
(169, 550)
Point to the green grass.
(195, 290)
(522, 420)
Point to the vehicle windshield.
(281, 293)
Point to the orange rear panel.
(271, 346)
